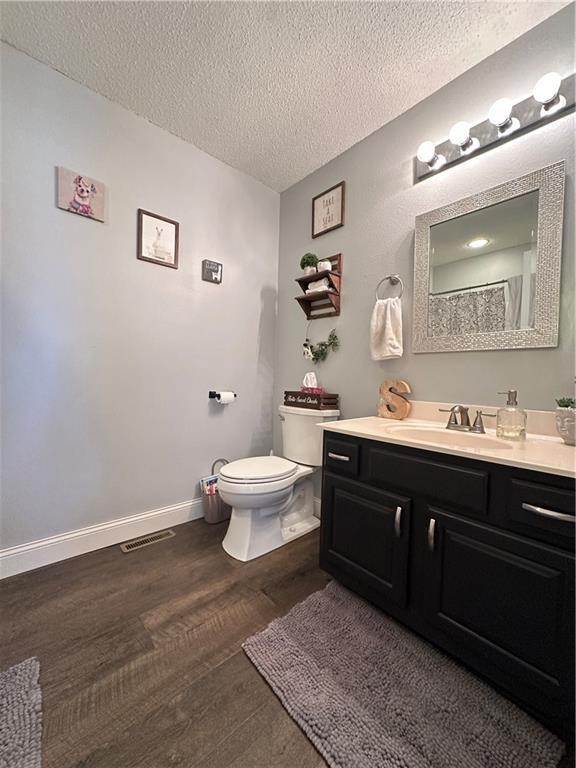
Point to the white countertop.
(540, 453)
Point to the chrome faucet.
(464, 425)
(456, 410)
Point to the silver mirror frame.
(549, 182)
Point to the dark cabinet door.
(505, 600)
(365, 535)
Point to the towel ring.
(394, 279)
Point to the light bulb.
(460, 134)
(426, 152)
(500, 112)
(479, 242)
(546, 89)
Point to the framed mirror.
(487, 268)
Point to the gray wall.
(474, 270)
(378, 238)
(107, 361)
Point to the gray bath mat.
(370, 694)
(21, 716)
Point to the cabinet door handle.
(338, 457)
(398, 522)
(549, 513)
(431, 534)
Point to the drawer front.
(342, 456)
(463, 488)
(541, 511)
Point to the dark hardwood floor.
(141, 653)
(141, 656)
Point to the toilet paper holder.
(213, 395)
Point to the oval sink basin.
(448, 437)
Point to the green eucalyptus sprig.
(320, 350)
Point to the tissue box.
(322, 402)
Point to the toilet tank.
(301, 438)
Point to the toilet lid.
(258, 469)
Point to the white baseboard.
(26, 557)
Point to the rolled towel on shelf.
(318, 285)
(386, 329)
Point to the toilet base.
(255, 532)
(292, 532)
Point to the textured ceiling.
(276, 89)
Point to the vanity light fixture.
(500, 115)
(547, 92)
(478, 242)
(460, 137)
(427, 154)
(552, 97)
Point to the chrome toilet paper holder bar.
(213, 395)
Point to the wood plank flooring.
(141, 654)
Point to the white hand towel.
(386, 329)
(318, 285)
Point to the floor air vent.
(145, 541)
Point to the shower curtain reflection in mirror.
(483, 269)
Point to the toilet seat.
(262, 488)
(258, 469)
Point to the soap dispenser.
(511, 420)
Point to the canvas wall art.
(157, 239)
(80, 194)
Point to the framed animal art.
(157, 239)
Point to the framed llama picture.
(157, 239)
(328, 210)
(80, 194)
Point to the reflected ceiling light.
(546, 92)
(478, 242)
(427, 154)
(460, 136)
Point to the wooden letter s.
(391, 404)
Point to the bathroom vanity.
(468, 541)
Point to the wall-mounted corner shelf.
(322, 303)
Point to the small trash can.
(215, 510)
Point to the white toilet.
(272, 498)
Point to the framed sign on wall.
(328, 210)
(211, 271)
